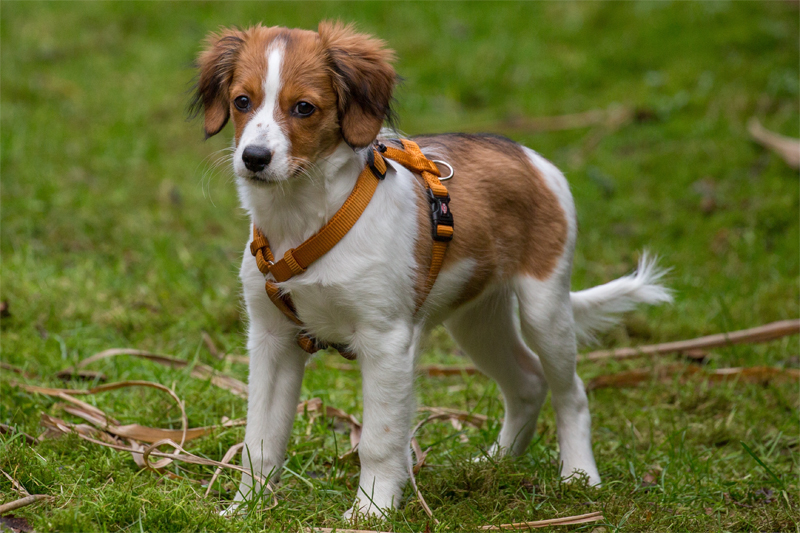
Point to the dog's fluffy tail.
(597, 309)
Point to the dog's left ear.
(363, 78)
(216, 65)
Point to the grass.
(120, 229)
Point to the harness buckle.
(441, 217)
(371, 163)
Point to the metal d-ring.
(448, 165)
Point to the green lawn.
(121, 228)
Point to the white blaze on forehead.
(272, 83)
(264, 129)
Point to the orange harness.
(296, 260)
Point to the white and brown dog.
(306, 106)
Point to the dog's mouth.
(261, 178)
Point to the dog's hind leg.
(548, 327)
(486, 331)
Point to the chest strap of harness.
(296, 260)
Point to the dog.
(307, 107)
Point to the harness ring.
(448, 165)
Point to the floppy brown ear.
(363, 79)
(216, 64)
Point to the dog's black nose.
(256, 157)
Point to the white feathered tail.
(597, 309)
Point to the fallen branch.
(565, 521)
(22, 502)
(786, 147)
(765, 333)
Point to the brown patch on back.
(506, 217)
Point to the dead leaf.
(109, 387)
(179, 453)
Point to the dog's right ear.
(216, 65)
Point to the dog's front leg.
(387, 367)
(276, 373)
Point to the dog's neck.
(291, 211)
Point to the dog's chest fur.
(367, 281)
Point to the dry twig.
(565, 521)
(768, 332)
(22, 502)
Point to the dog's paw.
(365, 511)
(577, 475)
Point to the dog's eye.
(242, 103)
(303, 109)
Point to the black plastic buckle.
(371, 162)
(440, 215)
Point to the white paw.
(592, 478)
(368, 510)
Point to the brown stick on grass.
(564, 521)
(22, 502)
(765, 333)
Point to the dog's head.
(294, 95)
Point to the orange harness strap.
(296, 260)
(413, 159)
